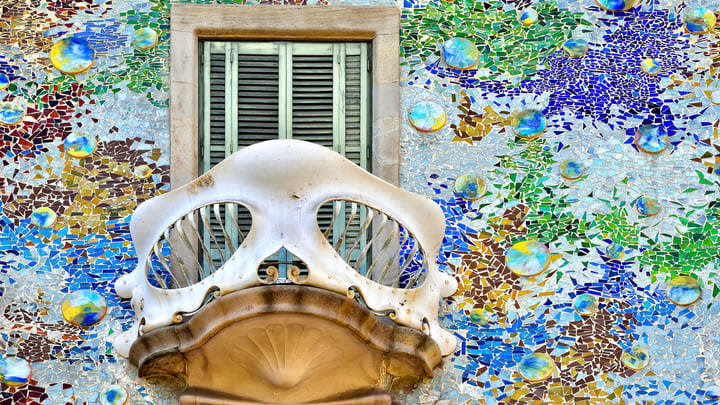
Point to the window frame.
(191, 23)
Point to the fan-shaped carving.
(286, 344)
(285, 354)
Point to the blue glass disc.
(652, 138)
(528, 258)
(12, 112)
(43, 217)
(699, 20)
(615, 5)
(15, 371)
(575, 48)
(460, 53)
(647, 206)
(469, 187)
(80, 145)
(145, 38)
(650, 66)
(684, 290)
(427, 116)
(84, 307)
(536, 367)
(529, 124)
(572, 169)
(72, 55)
(528, 16)
(635, 358)
(113, 395)
(585, 304)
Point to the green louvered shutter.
(256, 91)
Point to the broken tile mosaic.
(603, 240)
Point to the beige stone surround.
(191, 23)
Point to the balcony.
(286, 274)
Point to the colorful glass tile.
(528, 258)
(528, 16)
(529, 124)
(460, 53)
(84, 307)
(585, 304)
(652, 138)
(716, 168)
(427, 116)
(43, 217)
(145, 38)
(575, 48)
(4, 81)
(684, 290)
(469, 187)
(142, 171)
(572, 169)
(615, 251)
(647, 206)
(15, 371)
(635, 358)
(650, 66)
(114, 395)
(615, 5)
(699, 20)
(13, 111)
(536, 367)
(479, 316)
(72, 55)
(80, 145)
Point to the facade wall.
(600, 242)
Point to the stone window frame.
(191, 23)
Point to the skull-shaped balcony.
(287, 274)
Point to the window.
(257, 91)
(193, 24)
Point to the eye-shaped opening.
(197, 245)
(373, 243)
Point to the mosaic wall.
(573, 146)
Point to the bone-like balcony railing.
(287, 211)
(371, 242)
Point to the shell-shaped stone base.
(286, 344)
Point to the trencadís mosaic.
(573, 146)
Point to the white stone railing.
(378, 242)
